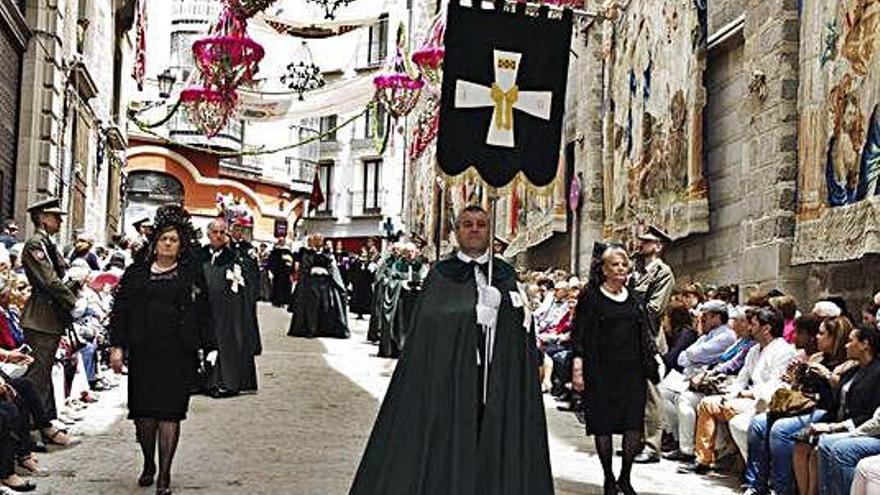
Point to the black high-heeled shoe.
(625, 488)
(146, 477)
(609, 487)
(164, 491)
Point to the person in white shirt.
(757, 380)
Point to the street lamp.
(166, 83)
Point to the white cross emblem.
(235, 278)
(505, 96)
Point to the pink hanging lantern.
(207, 108)
(429, 58)
(228, 57)
(395, 87)
(245, 9)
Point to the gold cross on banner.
(504, 95)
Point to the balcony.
(245, 167)
(181, 129)
(362, 206)
(195, 11)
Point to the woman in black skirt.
(613, 360)
(160, 319)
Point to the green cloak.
(427, 439)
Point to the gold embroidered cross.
(504, 95)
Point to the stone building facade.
(13, 43)
(70, 143)
(751, 153)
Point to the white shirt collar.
(483, 258)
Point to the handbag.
(787, 402)
(710, 383)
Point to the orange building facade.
(157, 174)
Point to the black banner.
(503, 95)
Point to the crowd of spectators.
(786, 396)
(28, 424)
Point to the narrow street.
(302, 434)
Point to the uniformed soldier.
(144, 228)
(48, 308)
(654, 281)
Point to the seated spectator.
(556, 345)
(788, 307)
(681, 401)
(678, 326)
(826, 309)
(869, 314)
(82, 249)
(829, 467)
(715, 338)
(771, 437)
(757, 381)
(550, 318)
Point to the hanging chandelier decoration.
(399, 87)
(427, 125)
(429, 58)
(245, 9)
(330, 6)
(207, 108)
(303, 75)
(228, 57)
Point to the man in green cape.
(463, 414)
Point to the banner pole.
(493, 200)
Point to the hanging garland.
(148, 129)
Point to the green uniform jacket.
(51, 300)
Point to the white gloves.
(488, 301)
(211, 357)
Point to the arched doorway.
(147, 190)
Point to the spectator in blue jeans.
(771, 438)
(859, 398)
(838, 455)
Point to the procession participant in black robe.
(408, 273)
(161, 317)
(360, 276)
(387, 306)
(318, 302)
(241, 233)
(280, 264)
(384, 297)
(234, 314)
(265, 278)
(439, 431)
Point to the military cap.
(48, 205)
(143, 222)
(654, 234)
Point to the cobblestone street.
(302, 434)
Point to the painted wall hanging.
(839, 132)
(655, 54)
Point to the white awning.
(341, 97)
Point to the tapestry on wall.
(655, 56)
(839, 129)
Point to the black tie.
(484, 267)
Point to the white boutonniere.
(235, 278)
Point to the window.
(328, 123)
(181, 52)
(374, 122)
(372, 178)
(325, 178)
(377, 46)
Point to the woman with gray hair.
(614, 358)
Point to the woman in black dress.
(318, 301)
(361, 278)
(613, 359)
(161, 318)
